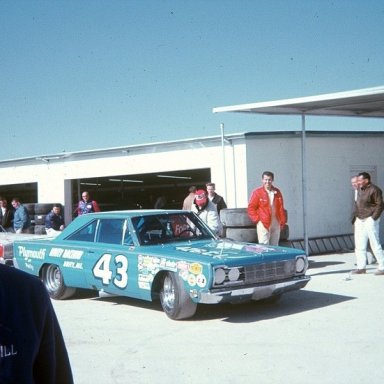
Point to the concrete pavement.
(329, 332)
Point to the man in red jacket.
(266, 209)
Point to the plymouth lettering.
(31, 253)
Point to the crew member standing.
(87, 205)
(266, 209)
(215, 198)
(368, 209)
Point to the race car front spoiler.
(259, 292)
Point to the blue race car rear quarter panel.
(32, 256)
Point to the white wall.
(330, 160)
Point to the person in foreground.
(32, 349)
(366, 218)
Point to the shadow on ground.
(290, 304)
(321, 264)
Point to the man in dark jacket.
(54, 222)
(32, 349)
(6, 215)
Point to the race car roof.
(367, 102)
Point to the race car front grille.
(277, 270)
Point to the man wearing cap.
(207, 211)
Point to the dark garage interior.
(141, 191)
(119, 192)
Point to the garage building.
(130, 177)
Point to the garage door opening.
(140, 191)
(26, 192)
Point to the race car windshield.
(169, 227)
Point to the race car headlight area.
(301, 264)
(227, 276)
(259, 273)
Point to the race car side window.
(86, 233)
(110, 231)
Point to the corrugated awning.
(368, 102)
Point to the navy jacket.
(32, 349)
(54, 221)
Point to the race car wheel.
(174, 299)
(54, 282)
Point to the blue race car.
(155, 254)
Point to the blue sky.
(78, 75)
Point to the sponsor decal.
(184, 275)
(31, 253)
(258, 248)
(145, 278)
(182, 265)
(148, 266)
(168, 264)
(201, 281)
(195, 268)
(56, 252)
(200, 251)
(72, 264)
(229, 245)
(144, 285)
(192, 280)
(72, 254)
(29, 266)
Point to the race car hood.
(229, 251)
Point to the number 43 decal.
(103, 270)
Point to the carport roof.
(368, 102)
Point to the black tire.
(30, 229)
(247, 235)
(30, 208)
(40, 219)
(43, 209)
(285, 243)
(54, 283)
(175, 301)
(40, 230)
(235, 217)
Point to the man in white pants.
(368, 208)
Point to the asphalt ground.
(329, 332)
